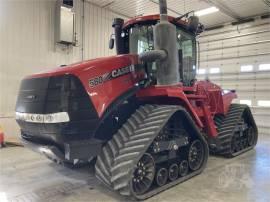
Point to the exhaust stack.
(165, 51)
(163, 10)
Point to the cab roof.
(154, 18)
(142, 19)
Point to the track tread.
(226, 126)
(129, 144)
(133, 137)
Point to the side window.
(187, 48)
(186, 45)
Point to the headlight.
(59, 117)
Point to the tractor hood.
(93, 67)
(102, 80)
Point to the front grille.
(57, 94)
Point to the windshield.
(141, 40)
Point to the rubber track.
(115, 165)
(227, 127)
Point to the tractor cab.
(136, 37)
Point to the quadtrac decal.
(111, 75)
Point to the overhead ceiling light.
(207, 11)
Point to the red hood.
(80, 67)
(91, 70)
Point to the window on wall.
(214, 70)
(264, 67)
(246, 68)
(246, 102)
(264, 103)
(201, 71)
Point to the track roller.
(183, 168)
(161, 176)
(173, 172)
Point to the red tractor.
(141, 115)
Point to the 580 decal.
(111, 75)
(95, 81)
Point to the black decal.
(112, 75)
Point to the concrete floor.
(27, 176)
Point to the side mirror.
(193, 23)
(111, 43)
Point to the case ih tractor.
(141, 115)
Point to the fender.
(154, 94)
(116, 114)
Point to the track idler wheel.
(183, 168)
(173, 172)
(195, 155)
(251, 136)
(161, 176)
(234, 144)
(144, 174)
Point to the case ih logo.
(111, 75)
(31, 97)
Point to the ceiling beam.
(224, 9)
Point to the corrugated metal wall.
(27, 45)
(230, 48)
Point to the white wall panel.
(27, 44)
(229, 48)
